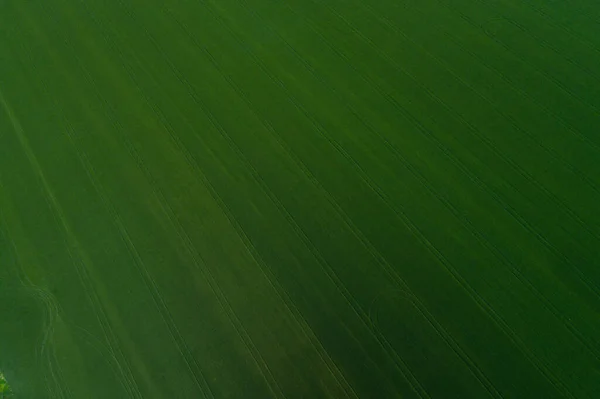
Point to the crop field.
(299, 199)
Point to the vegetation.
(300, 198)
(5, 391)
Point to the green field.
(300, 198)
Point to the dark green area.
(300, 198)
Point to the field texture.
(300, 198)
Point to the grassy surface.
(336, 198)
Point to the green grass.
(5, 391)
(337, 198)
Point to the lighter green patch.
(5, 391)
